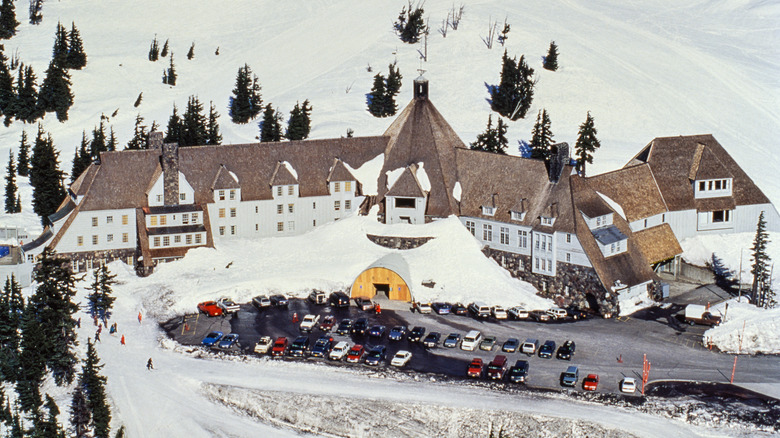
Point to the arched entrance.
(387, 277)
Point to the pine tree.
(246, 102)
(541, 137)
(299, 124)
(173, 133)
(94, 387)
(10, 185)
(8, 23)
(17, 431)
(493, 139)
(193, 126)
(45, 177)
(140, 138)
(59, 54)
(82, 158)
(11, 310)
(392, 88)
(191, 52)
(55, 95)
(154, 50)
(586, 145)
(32, 360)
(551, 60)
(49, 427)
(761, 263)
(164, 52)
(111, 142)
(171, 74)
(7, 94)
(98, 143)
(26, 106)
(23, 165)
(120, 433)
(410, 25)
(77, 59)
(270, 126)
(80, 415)
(212, 127)
(35, 11)
(513, 96)
(376, 99)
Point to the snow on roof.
(235, 177)
(368, 174)
(457, 191)
(614, 205)
(422, 177)
(393, 175)
(287, 165)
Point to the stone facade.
(97, 257)
(393, 242)
(170, 165)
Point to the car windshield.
(213, 335)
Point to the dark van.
(497, 368)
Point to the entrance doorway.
(382, 290)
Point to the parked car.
(360, 326)
(338, 299)
(416, 334)
(497, 367)
(322, 347)
(459, 309)
(211, 339)
(228, 341)
(539, 316)
(511, 345)
(519, 372)
(210, 308)
(317, 297)
(339, 350)
(558, 313)
(498, 312)
(364, 304)
(570, 376)
(309, 322)
(518, 312)
(376, 355)
(577, 314)
(421, 307)
(432, 340)
(590, 383)
(628, 385)
(228, 305)
(377, 331)
(452, 340)
(280, 347)
(261, 302)
(547, 349)
(263, 345)
(566, 351)
(299, 346)
(529, 346)
(479, 309)
(397, 333)
(698, 314)
(355, 353)
(401, 358)
(279, 300)
(475, 368)
(327, 323)
(345, 326)
(488, 343)
(441, 308)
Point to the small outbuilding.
(388, 277)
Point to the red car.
(280, 347)
(475, 368)
(591, 383)
(327, 324)
(355, 354)
(210, 308)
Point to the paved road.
(610, 348)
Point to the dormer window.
(517, 215)
(548, 221)
(221, 195)
(488, 211)
(713, 188)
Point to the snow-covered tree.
(8, 23)
(410, 25)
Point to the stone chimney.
(155, 140)
(170, 166)
(420, 88)
(559, 157)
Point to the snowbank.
(746, 329)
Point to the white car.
(261, 301)
(339, 351)
(228, 305)
(401, 358)
(422, 307)
(557, 313)
(498, 312)
(309, 322)
(628, 385)
(263, 345)
(518, 312)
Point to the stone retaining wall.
(395, 242)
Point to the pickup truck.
(309, 322)
(698, 314)
(228, 305)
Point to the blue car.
(376, 355)
(212, 338)
(377, 331)
(397, 333)
(228, 341)
(442, 308)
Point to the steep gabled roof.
(224, 180)
(339, 172)
(658, 243)
(282, 176)
(634, 188)
(407, 185)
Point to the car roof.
(572, 368)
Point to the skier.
(149, 364)
(139, 317)
(97, 336)
(378, 309)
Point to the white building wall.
(543, 259)
(598, 221)
(649, 222)
(394, 214)
(155, 197)
(683, 223)
(112, 228)
(567, 243)
(515, 238)
(746, 218)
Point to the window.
(568, 257)
(721, 216)
(717, 185)
(279, 208)
(522, 239)
(257, 227)
(257, 209)
(94, 221)
(222, 230)
(194, 218)
(536, 260)
(109, 219)
(471, 227)
(221, 212)
(159, 198)
(598, 221)
(177, 238)
(124, 237)
(568, 237)
(504, 236)
(314, 205)
(348, 186)
(198, 239)
(612, 248)
(182, 197)
(163, 220)
(74, 266)
(702, 186)
(645, 223)
(95, 239)
(337, 205)
(290, 190)
(124, 219)
(336, 187)
(79, 240)
(166, 240)
(90, 264)
(617, 246)
(537, 242)
(290, 208)
(487, 232)
(546, 221)
(280, 226)
(232, 195)
(188, 239)
(232, 230)
(290, 226)
(185, 218)
(663, 217)
(544, 244)
(709, 185)
(488, 211)
(314, 223)
(233, 212)
(279, 191)
(405, 202)
(156, 241)
(516, 215)
(110, 238)
(347, 205)
(221, 195)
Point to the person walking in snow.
(122, 341)
(295, 318)
(97, 336)
(149, 364)
(139, 317)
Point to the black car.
(345, 327)
(299, 346)
(519, 372)
(432, 340)
(441, 308)
(376, 355)
(416, 334)
(360, 327)
(322, 347)
(459, 309)
(566, 351)
(338, 299)
(397, 333)
(547, 349)
(278, 300)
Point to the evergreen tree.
(8, 23)
(586, 145)
(493, 139)
(193, 126)
(410, 25)
(45, 177)
(164, 52)
(140, 138)
(80, 415)
(377, 98)
(32, 360)
(82, 158)
(77, 59)
(55, 95)
(513, 96)
(49, 427)
(11, 310)
(173, 133)
(10, 185)
(170, 75)
(299, 124)
(23, 165)
(551, 60)
(59, 54)
(154, 50)
(26, 106)
(392, 88)
(270, 126)
(18, 203)
(98, 143)
(94, 387)
(191, 52)
(111, 143)
(120, 433)
(504, 35)
(212, 127)
(17, 431)
(35, 11)
(246, 102)
(7, 94)
(541, 137)
(761, 263)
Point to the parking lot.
(613, 349)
